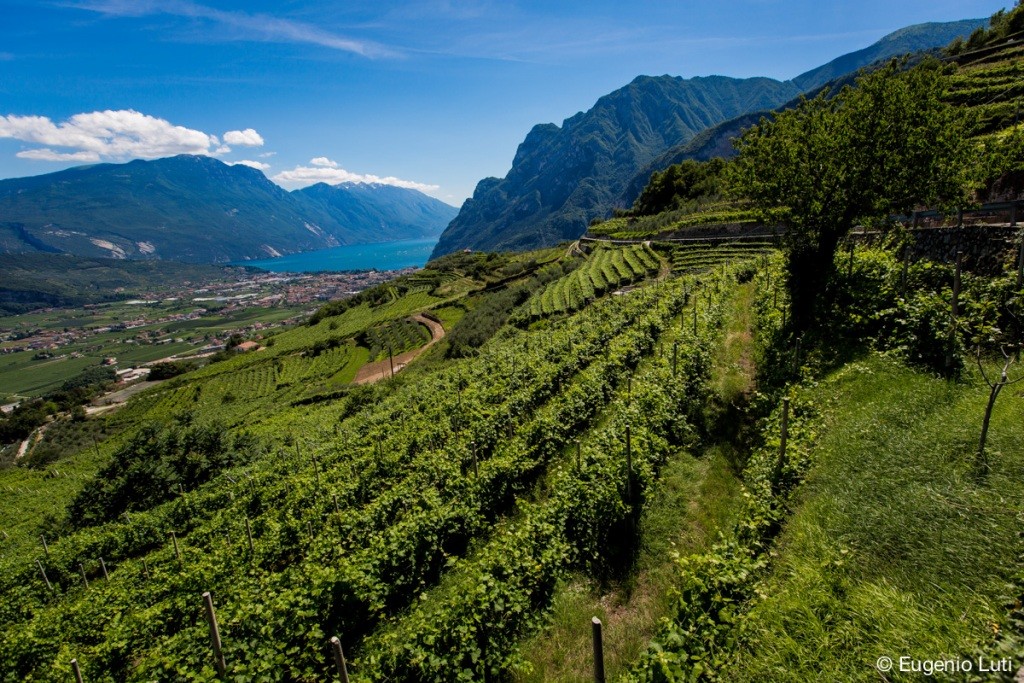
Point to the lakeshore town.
(162, 317)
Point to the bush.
(149, 468)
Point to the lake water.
(381, 256)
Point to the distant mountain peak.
(199, 209)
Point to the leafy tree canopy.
(1002, 25)
(880, 148)
(680, 184)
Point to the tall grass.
(896, 547)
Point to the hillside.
(564, 177)
(403, 515)
(916, 38)
(199, 210)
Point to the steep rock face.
(199, 210)
(562, 177)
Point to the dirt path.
(115, 399)
(374, 372)
(33, 439)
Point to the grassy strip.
(713, 588)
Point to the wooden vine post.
(783, 437)
(629, 465)
(598, 651)
(49, 586)
(248, 535)
(675, 356)
(85, 579)
(177, 550)
(46, 548)
(77, 671)
(954, 313)
(316, 470)
(339, 659)
(211, 617)
(106, 575)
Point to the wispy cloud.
(240, 25)
(324, 170)
(47, 154)
(113, 134)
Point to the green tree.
(678, 184)
(880, 148)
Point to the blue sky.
(434, 95)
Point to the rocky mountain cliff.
(562, 177)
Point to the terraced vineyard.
(375, 519)
(394, 337)
(990, 82)
(697, 256)
(719, 214)
(603, 271)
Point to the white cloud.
(47, 154)
(116, 135)
(324, 162)
(244, 138)
(266, 155)
(259, 165)
(302, 176)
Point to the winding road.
(374, 372)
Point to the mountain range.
(564, 176)
(200, 210)
(197, 209)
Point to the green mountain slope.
(904, 41)
(41, 279)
